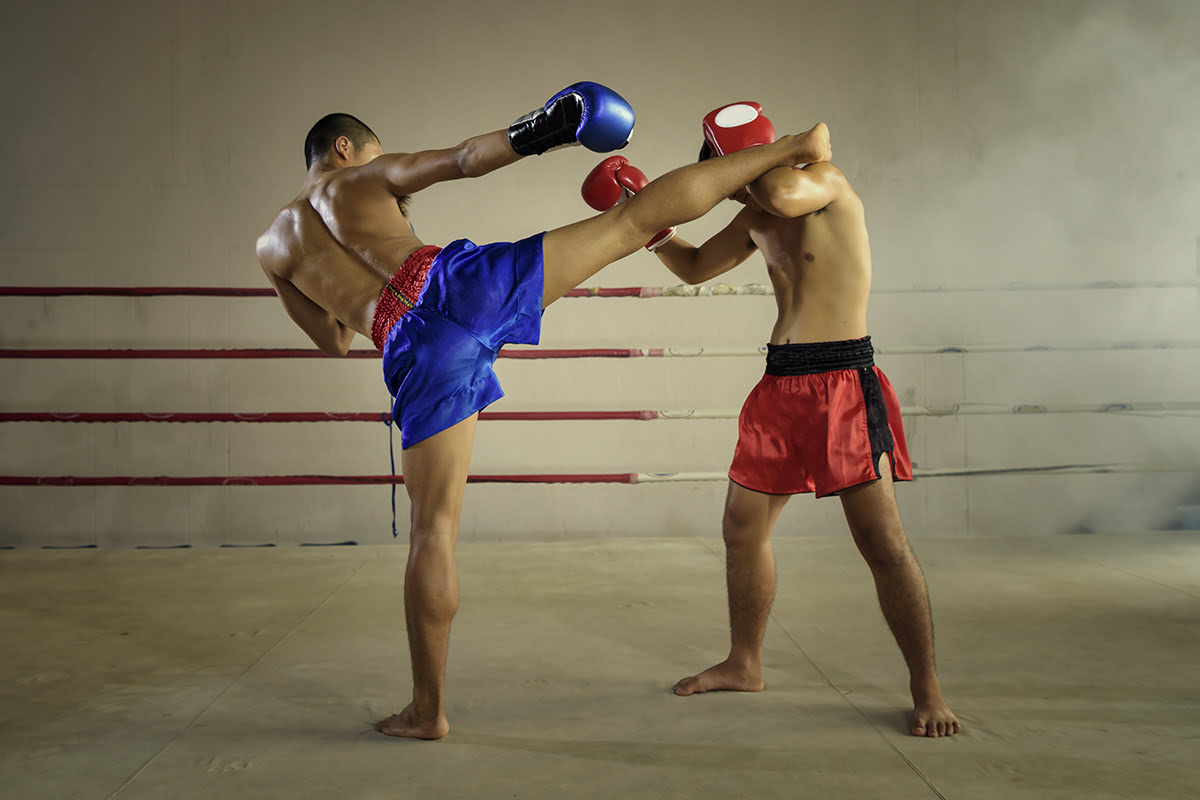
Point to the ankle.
(750, 663)
(426, 710)
(925, 689)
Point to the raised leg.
(574, 253)
(875, 525)
(750, 583)
(435, 475)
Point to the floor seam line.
(125, 784)
(912, 766)
(1148, 580)
(903, 757)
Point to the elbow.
(690, 276)
(467, 158)
(339, 347)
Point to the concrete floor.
(1073, 662)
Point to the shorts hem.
(483, 403)
(877, 477)
(764, 491)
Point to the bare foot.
(724, 677)
(814, 145)
(404, 724)
(934, 719)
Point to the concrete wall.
(148, 143)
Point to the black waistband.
(810, 358)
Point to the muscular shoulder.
(826, 172)
(273, 245)
(835, 189)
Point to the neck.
(316, 172)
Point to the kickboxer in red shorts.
(822, 417)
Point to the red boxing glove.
(735, 127)
(612, 180)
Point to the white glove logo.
(736, 115)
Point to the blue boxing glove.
(584, 113)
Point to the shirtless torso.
(810, 226)
(331, 251)
(820, 268)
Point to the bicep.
(406, 173)
(793, 192)
(322, 327)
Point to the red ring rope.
(296, 352)
(300, 416)
(587, 352)
(593, 291)
(221, 291)
(292, 480)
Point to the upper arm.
(326, 331)
(794, 192)
(406, 173)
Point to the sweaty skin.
(330, 252)
(810, 226)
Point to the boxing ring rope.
(708, 290)
(576, 478)
(585, 352)
(644, 292)
(610, 477)
(1185, 407)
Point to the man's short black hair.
(328, 129)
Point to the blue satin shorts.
(438, 357)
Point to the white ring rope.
(1171, 408)
(956, 472)
(929, 350)
(750, 289)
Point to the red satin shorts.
(819, 421)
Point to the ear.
(344, 147)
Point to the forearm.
(681, 258)
(480, 155)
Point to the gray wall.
(148, 143)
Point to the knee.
(435, 530)
(742, 529)
(630, 222)
(885, 547)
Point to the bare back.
(820, 267)
(339, 242)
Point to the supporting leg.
(900, 585)
(435, 475)
(750, 583)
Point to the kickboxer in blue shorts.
(344, 260)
